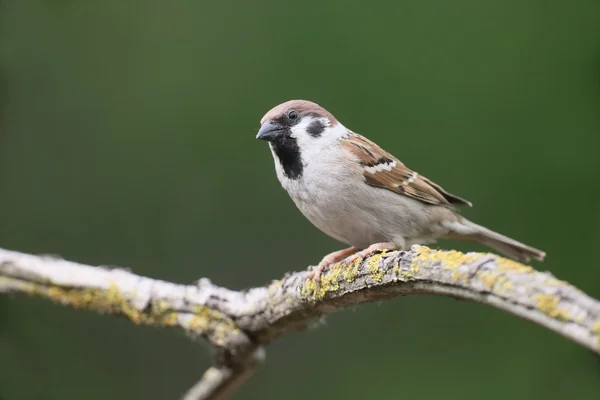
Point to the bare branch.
(238, 323)
(220, 381)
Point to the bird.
(361, 195)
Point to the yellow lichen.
(458, 275)
(114, 301)
(376, 273)
(330, 280)
(488, 278)
(507, 285)
(495, 281)
(596, 331)
(350, 272)
(310, 288)
(170, 319)
(161, 305)
(205, 318)
(454, 260)
(211, 375)
(328, 283)
(555, 282)
(548, 304)
(25, 287)
(200, 321)
(272, 290)
(450, 259)
(506, 265)
(406, 274)
(273, 287)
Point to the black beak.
(270, 131)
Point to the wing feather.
(383, 170)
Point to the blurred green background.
(127, 138)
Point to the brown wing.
(385, 171)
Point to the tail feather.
(466, 229)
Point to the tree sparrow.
(356, 192)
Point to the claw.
(316, 272)
(369, 251)
(350, 254)
(328, 260)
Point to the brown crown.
(301, 107)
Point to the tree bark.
(239, 323)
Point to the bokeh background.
(127, 138)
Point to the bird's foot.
(369, 251)
(316, 271)
(329, 259)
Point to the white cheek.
(299, 132)
(312, 146)
(336, 132)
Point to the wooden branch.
(220, 381)
(239, 323)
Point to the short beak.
(270, 131)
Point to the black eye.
(292, 114)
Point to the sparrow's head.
(298, 131)
(299, 119)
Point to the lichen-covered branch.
(238, 323)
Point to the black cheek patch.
(288, 153)
(316, 128)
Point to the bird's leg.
(370, 250)
(329, 259)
